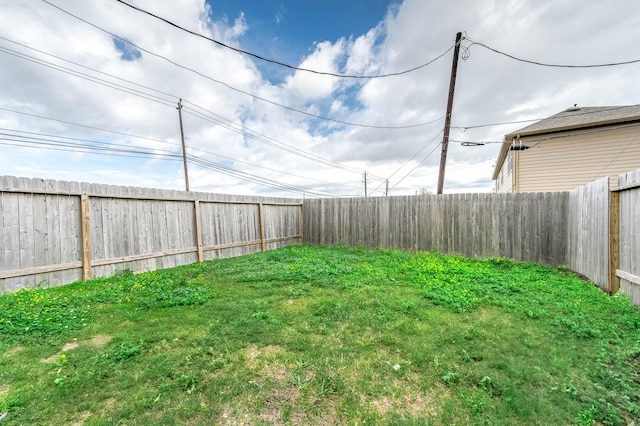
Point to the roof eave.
(522, 134)
(502, 155)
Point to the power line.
(85, 126)
(87, 77)
(245, 52)
(407, 162)
(151, 139)
(544, 64)
(254, 96)
(130, 148)
(464, 128)
(150, 97)
(81, 65)
(417, 165)
(119, 151)
(238, 128)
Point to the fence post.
(301, 223)
(614, 240)
(196, 204)
(85, 227)
(263, 244)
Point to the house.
(570, 149)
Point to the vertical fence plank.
(86, 237)
(614, 241)
(263, 244)
(198, 230)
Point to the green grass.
(316, 335)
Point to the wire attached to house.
(262, 58)
(477, 126)
(545, 64)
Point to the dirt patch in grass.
(82, 418)
(69, 346)
(254, 352)
(65, 348)
(414, 404)
(275, 403)
(97, 341)
(100, 340)
(13, 351)
(268, 361)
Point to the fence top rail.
(142, 197)
(627, 187)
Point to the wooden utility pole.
(365, 185)
(184, 151)
(447, 120)
(386, 187)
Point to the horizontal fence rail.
(57, 232)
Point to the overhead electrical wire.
(545, 64)
(87, 77)
(124, 151)
(477, 126)
(165, 152)
(254, 96)
(257, 179)
(417, 165)
(138, 93)
(239, 128)
(262, 58)
(407, 162)
(85, 126)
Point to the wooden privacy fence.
(58, 232)
(531, 226)
(591, 230)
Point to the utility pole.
(184, 151)
(386, 187)
(365, 185)
(447, 120)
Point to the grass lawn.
(315, 335)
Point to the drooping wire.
(407, 162)
(254, 96)
(239, 128)
(477, 126)
(98, 145)
(262, 58)
(120, 150)
(102, 82)
(417, 165)
(544, 64)
(227, 123)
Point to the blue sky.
(258, 119)
(287, 31)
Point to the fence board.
(629, 236)
(588, 232)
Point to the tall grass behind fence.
(528, 226)
(629, 265)
(57, 232)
